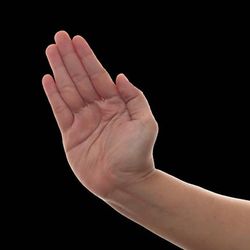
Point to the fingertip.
(62, 34)
(46, 77)
(81, 44)
(50, 49)
(76, 37)
(47, 81)
(125, 88)
(121, 77)
(75, 40)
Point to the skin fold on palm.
(108, 129)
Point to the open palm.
(108, 129)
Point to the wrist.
(125, 194)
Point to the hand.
(108, 129)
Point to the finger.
(75, 67)
(136, 102)
(98, 75)
(61, 111)
(63, 81)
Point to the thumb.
(135, 100)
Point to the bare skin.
(108, 133)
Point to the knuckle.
(78, 77)
(66, 89)
(59, 109)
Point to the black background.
(192, 68)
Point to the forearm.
(186, 215)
